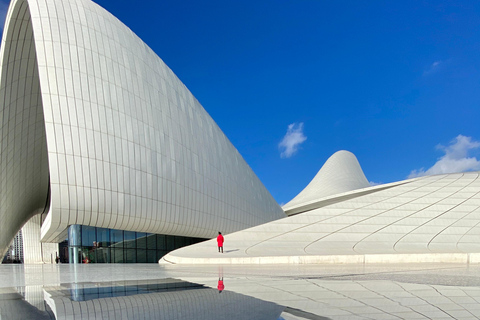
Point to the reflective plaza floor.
(151, 291)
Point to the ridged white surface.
(90, 111)
(24, 160)
(438, 216)
(340, 173)
(35, 251)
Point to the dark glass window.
(195, 240)
(104, 245)
(117, 256)
(141, 256)
(116, 238)
(161, 242)
(88, 236)
(103, 238)
(179, 242)
(141, 240)
(129, 239)
(130, 255)
(151, 241)
(152, 256)
(103, 255)
(170, 243)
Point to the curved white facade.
(427, 219)
(340, 173)
(97, 130)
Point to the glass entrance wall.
(100, 245)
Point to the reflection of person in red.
(220, 242)
(220, 286)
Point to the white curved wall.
(35, 251)
(24, 162)
(434, 218)
(128, 145)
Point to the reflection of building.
(98, 131)
(434, 291)
(158, 299)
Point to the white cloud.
(456, 158)
(373, 183)
(292, 140)
(434, 67)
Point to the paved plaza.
(144, 291)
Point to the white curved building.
(96, 130)
(426, 219)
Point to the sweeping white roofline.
(96, 130)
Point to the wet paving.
(150, 291)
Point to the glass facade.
(100, 245)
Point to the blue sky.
(395, 82)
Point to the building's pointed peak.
(340, 173)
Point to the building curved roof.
(97, 130)
(340, 173)
(427, 219)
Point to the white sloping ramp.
(427, 219)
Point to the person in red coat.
(220, 286)
(220, 242)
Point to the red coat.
(220, 240)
